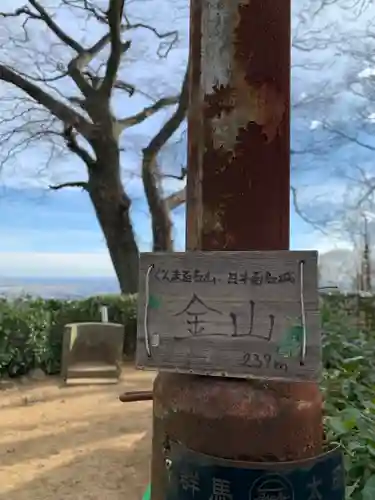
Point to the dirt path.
(74, 442)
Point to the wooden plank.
(237, 314)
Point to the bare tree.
(159, 206)
(342, 116)
(64, 96)
(311, 34)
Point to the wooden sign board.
(236, 314)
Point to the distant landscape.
(337, 268)
(58, 288)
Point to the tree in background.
(342, 132)
(66, 93)
(69, 97)
(316, 85)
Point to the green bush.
(349, 390)
(31, 330)
(31, 335)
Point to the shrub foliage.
(31, 336)
(31, 329)
(349, 387)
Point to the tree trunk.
(112, 207)
(159, 210)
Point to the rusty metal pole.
(238, 199)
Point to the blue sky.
(56, 234)
(48, 234)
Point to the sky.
(47, 233)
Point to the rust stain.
(212, 221)
(268, 69)
(246, 135)
(241, 420)
(239, 100)
(270, 108)
(241, 104)
(238, 199)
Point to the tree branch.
(180, 177)
(73, 67)
(79, 184)
(67, 115)
(147, 112)
(83, 56)
(315, 224)
(114, 16)
(176, 199)
(170, 127)
(20, 12)
(83, 59)
(74, 147)
(87, 6)
(350, 138)
(61, 35)
(172, 35)
(78, 77)
(369, 189)
(160, 208)
(47, 19)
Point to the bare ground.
(74, 442)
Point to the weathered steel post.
(238, 199)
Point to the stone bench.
(92, 351)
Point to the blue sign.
(193, 476)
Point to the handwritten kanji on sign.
(240, 314)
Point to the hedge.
(349, 387)
(31, 335)
(31, 330)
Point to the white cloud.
(54, 238)
(367, 73)
(45, 265)
(98, 264)
(323, 243)
(315, 124)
